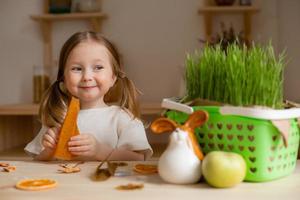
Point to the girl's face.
(88, 74)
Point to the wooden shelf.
(151, 108)
(33, 109)
(19, 109)
(69, 16)
(230, 9)
(209, 11)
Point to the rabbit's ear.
(196, 119)
(162, 125)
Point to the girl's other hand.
(83, 145)
(50, 138)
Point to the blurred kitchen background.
(153, 37)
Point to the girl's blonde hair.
(55, 101)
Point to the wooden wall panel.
(16, 131)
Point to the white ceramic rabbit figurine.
(181, 161)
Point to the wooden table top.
(80, 186)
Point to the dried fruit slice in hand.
(69, 129)
(36, 184)
(145, 169)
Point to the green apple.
(223, 169)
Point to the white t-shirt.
(110, 125)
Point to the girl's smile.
(87, 87)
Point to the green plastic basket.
(258, 141)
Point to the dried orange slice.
(130, 186)
(36, 184)
(145, 169)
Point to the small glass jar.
(41, 82)
(88, 6)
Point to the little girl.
(90, 70)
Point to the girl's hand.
(83, 145)
(50, 138)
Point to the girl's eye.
(98, 67)
(76, 69)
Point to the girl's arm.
(49, 143)
(87, 146)
(45, 155)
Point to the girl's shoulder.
(123, 112)
(125, 116)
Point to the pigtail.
(54, 104)
(56, 99)
(128, 97)
(124, 93)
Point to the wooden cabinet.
(209, 12)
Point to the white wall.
(20, 49)
(289, 32)
(153, 37)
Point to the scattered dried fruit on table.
(120, 164)
(36, 184)
(9, 168)
(4, 164)
(68, 168)
(130, 186)
(102, 174)
(145, 168)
